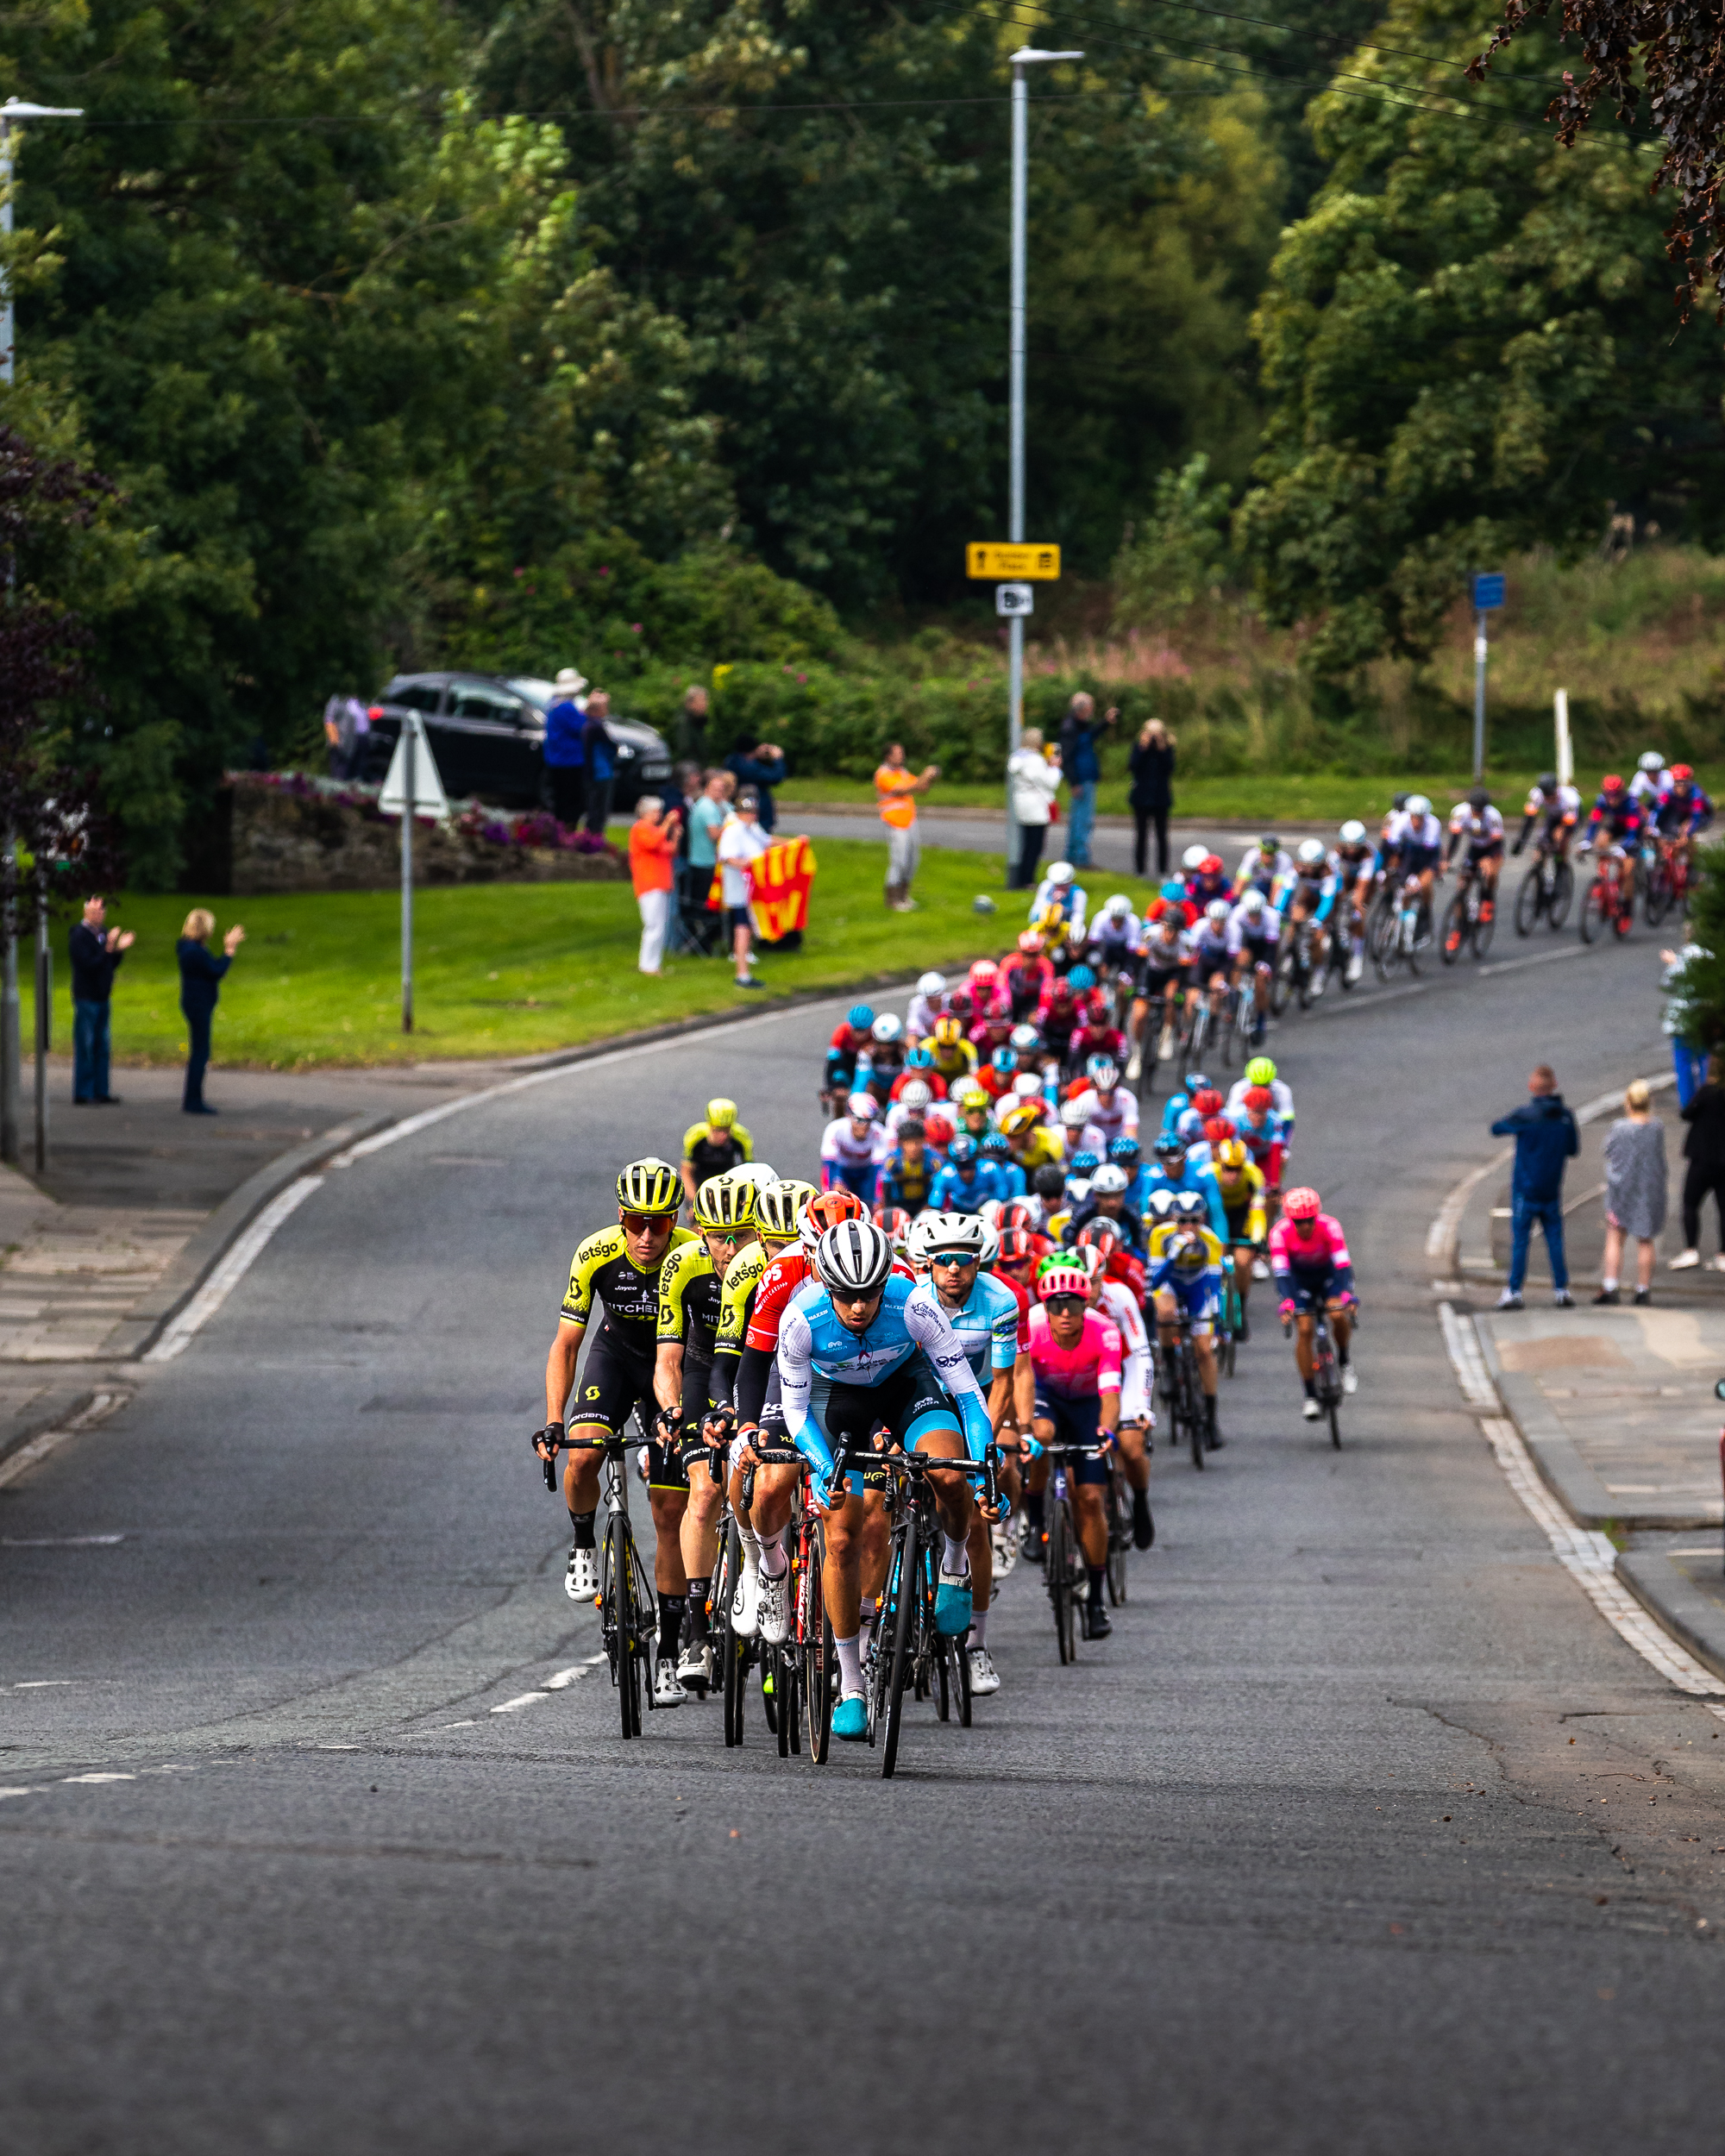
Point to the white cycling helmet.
(1059, 871)
(854, 1258)
(1253, 901)
(886, 1029)
(1027, 1086)
(931, 984)
(1194, 859)
(1120, 906)
(1650, 760)
(1074, 1114)
(1311, 852)
(1159, 1205)
(1418, 805)
(1108, 1181)
(753, 1171)
(1217, 911)
(862, 1107)
(958, 1234)
(916, 1095)
(1354, 832)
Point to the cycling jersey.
(1481, 830)
(1261, 930)
(1027, 980)
(1069, 901)
(1201, 890)
(1164, 956)
(906, 1186)
(789, 1273)
(1119, 1304)
(1562, 807)
(736, 1300)
(603, 1268)
(1621, 819)
(1202, 1264)
(1129, 1224)
(1116, 1116)
(1058, 1022)
(1090, 1366)
(1114, 945)
(1267, 1143)
(954, 1191)
(1234, 1109)
(920, 1016)
(1418, 846)
(1314, 891)
(1043, 1148)
(1648, 788)
(1685, 810)
(957, 1061)
(845, 1158)
(1256, 874)
(1211, 954)
(1354, 862)
(1316, 1264)
(1198, 1178)
(1180, 912)
(813, 1343)
(1243, 1204)
(691, 1293)
(991, 1327)
(711, 1152)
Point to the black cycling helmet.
(1398, 800)
(1479, 798)
(1170, 1146)
(1548, 782)
(1049, 1180)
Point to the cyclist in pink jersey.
(1308, 1255)
(1074, 1354)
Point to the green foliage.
(1466, 352)
(1181, 553)
(1699, 989)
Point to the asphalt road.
(1363, 1831)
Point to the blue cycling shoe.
(850, 1718)
(952, 1606)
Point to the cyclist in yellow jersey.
(1031, 1141)
(1240, 1181)
(1185, 1272)
(952, 1055)
(691, 1291)
(620, 1268)
(714, 1146)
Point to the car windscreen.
(542, 695)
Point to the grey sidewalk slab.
(1679, 1580)
(1618, 1407)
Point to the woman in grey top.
(1634, 1191)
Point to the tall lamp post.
(11, 1068)
(1026, 56)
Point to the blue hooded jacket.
(1545, 1137)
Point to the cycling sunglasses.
(954, 1258)
(638, 1223)
(1064, 1304)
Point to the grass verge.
(510, 969)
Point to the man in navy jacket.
(1545, 1138)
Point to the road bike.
(1405, 932)
(804, 1670)
(1231, 1324)
(1206, 1026)
(1546, 892)
(1469, 916)
(1668, 882)
(1117, 1504)
(1295, 965)
(739, 1654)
(1326, 1377)
(1185, 1390)
(908, 1650)
(1605, 905)
(1064, 1571)
(628, 1608)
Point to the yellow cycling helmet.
(720, 1114)
(650, 1186)
(974, 1096)
(725, 1201)
(780, 1207)
(948, 1033)
(1232, 1155)
(1019, 1119)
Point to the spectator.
(1033, 781)
(652, 853)
(597, 750)
(346, 723)
(760, 770)
(741, 843)
(95, 951)
(1083, 765)
(896, 789)
(200, 983)
(1636, 1183)
(1152, 794)
(566, 763)
(690, 730)
(1681, 1020)
(1704, 1148)
(703, 821)
(1545, 1137)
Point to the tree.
(1462, 358)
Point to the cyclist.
(620, 1267)
(849, 1045)
(1652, 781)
(1259, 1129)
(1356, 860)
(1265, 869)
(1127, 1155)
(1171, 902)
(1255, 937)
(1098, 1034)
(1419, 852)
(1313, 898)
(1477, 825)
(691, 1298)
(1120, 1301)
(993, 1327)
(1115, 946)
(1170, 1170)
(885, 1055)
(1684, 814)
(1623, 822)
(925, 1006)
(1105, 1201)
(997, 1075)
(853, 1147)
(1076, 1354)
(907, 1177)
(1061, 894)
(1081, 1135)
(1212, 954)
(1208, 881)
(1059, 1019)
(1110, 1107)
(1027, 976)
(912, 1103)
(1161, 973)
(1177, 1103)
(1185, 1274)
(1310, 1257)
(967, 1181)
(714, 1146)
(1031, 1141)
(998, 1155)
(861, 1347)
(1241, 1183)
(951, 1053)
(1261, 1071)
(1556, 808)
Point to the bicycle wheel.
(1563, 890)
(961, 1654)
(1193, 1412)
(1060, 1575)
(1455, 928)
(1483, 926)
(1657, 900)
(619, 1572)
(1280, 983)
(777, 1669)
(1197, 1039)
(819, 1659)
(1119, 1533)
(1529, 898)
(1594, 913)
(903, 1650)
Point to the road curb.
(1675, 1604)
(60, 1404)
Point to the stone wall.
(280, 842)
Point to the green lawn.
(1319, 798)
(509, 969)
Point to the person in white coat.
(1033, 782)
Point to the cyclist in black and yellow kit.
(621, 1267)
(691, 1292)
(714, 1146)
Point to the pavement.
(1362, 1831)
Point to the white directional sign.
(428, 797)
(1015, 599)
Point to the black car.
(488, 736)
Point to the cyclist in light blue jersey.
(1174, 1171)
(860, 1346)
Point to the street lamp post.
(11, 1063)
(1026, 56)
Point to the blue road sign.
(1487, 592)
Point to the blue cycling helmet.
(1174, 891)
(1189, 1204)
(919, 1058)
(1168, 1147)
(995, 1146)
(1005, 1059)
(963, 1150)
(1198, 1084)
(1081, 978)
(1102, 1070)
(859, 1017)
(1025, 1039)
(1126, 1150)
(1084, 1163)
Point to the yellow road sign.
(1015, 564)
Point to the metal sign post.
(44, 1017)
(1487, 599)
(413, 786)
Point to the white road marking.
(27, 1455)
(1541, 958)
(235, 1265)
(59, 1542)
(564, 1678)
(35, 1790)
(68, 1779)
(523, 1699)
(41, 1683)
(1587, 1556)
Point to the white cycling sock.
(955, 1560)
(773, 1561)
(750, 1542)
(1608, 1284)
(865, 1631)
(979, 1627)
(849, 1668)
